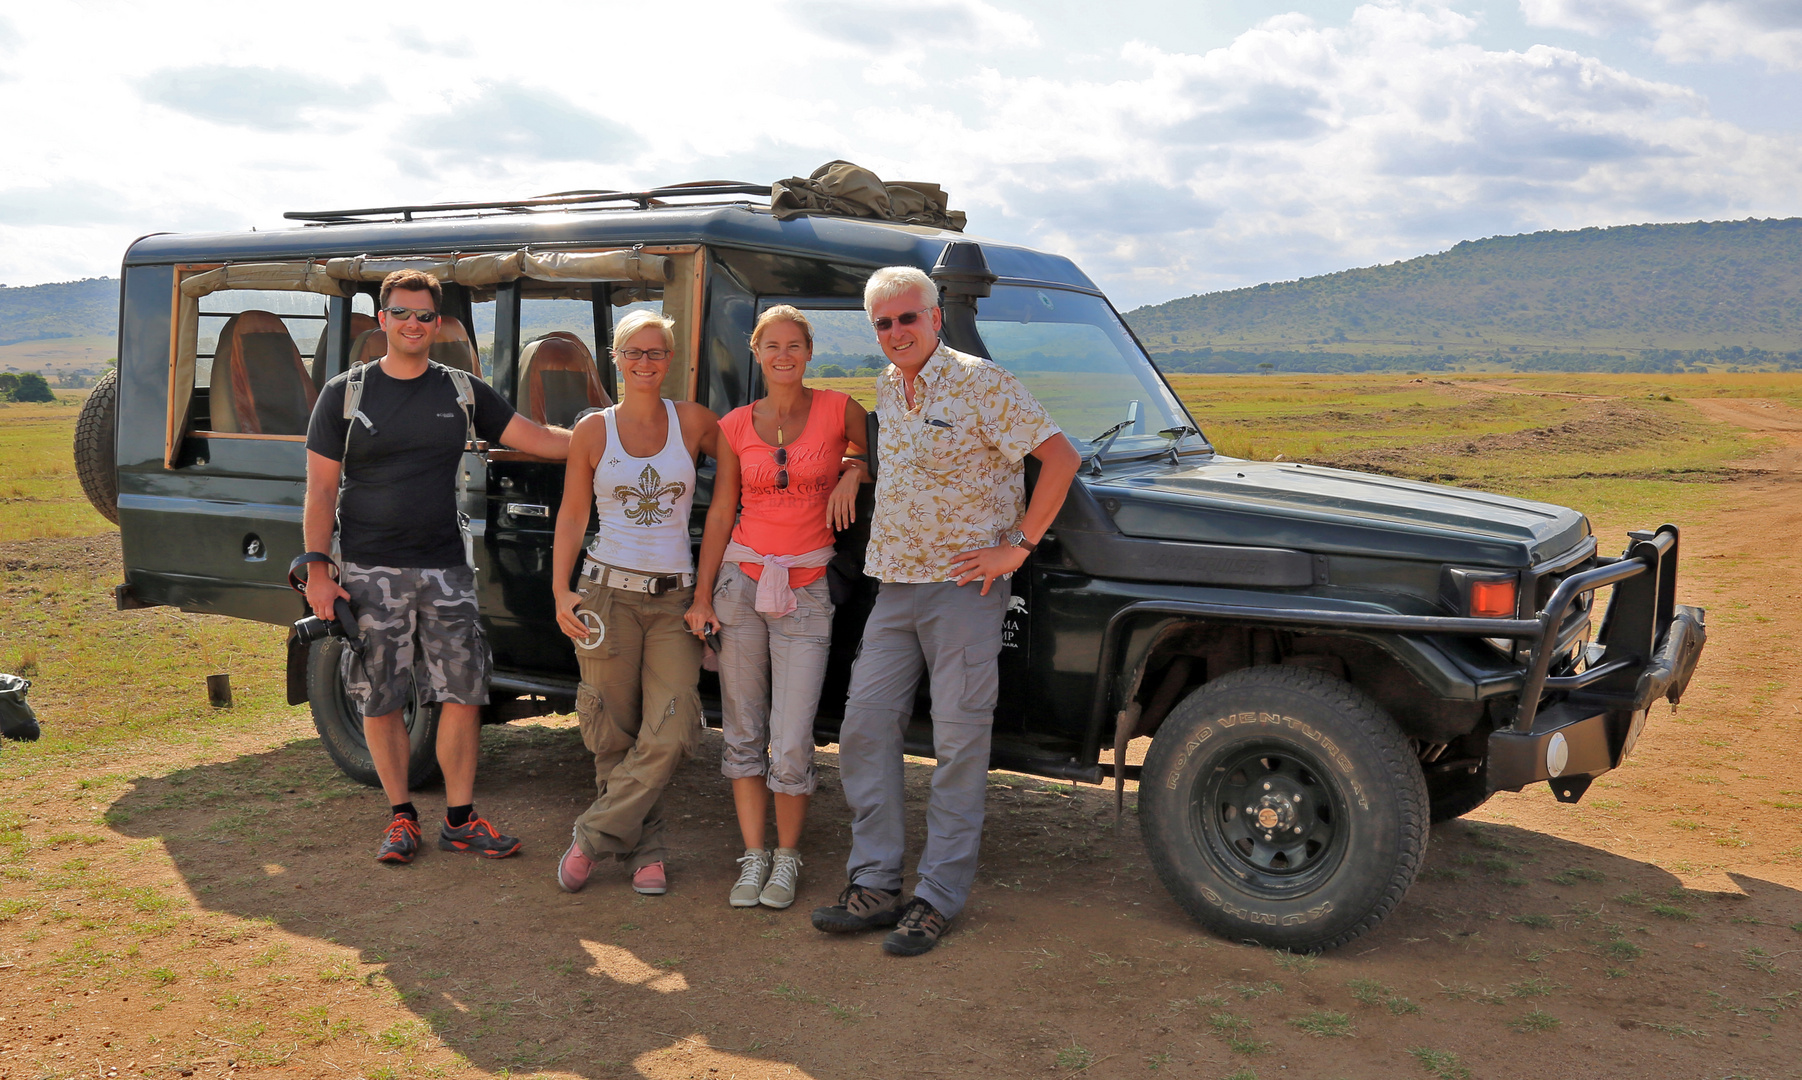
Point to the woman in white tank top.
(637, 704)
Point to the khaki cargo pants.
(640, 715)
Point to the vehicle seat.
(359, 324)
(557, 379)
(260, 384)
(371, 344)
(454, 348)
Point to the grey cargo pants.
(953, 635)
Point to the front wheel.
(1283, 806)
(340, 722)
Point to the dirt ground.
(214, 911)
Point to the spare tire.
(96, 446)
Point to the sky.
(1169, 148)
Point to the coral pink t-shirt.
(792, 520)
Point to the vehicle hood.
(1333, 511)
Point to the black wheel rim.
(1271, 816)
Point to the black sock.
(458, 816)
(404, 808)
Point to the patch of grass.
(1675, 1031)
(1625, 951)
(161, 976)
(404, 1035)
(789, 992)
(1224, 1022)
(1372, 992)
(1537, 1020)
(1573, 875)
(1240, 1074)
(1074, 1057)
(1672, 911)
(1537, 922)
(1443, 873)
(1538, 986)
(1246, 1045)
(1298, 963)
(1758, 960)
(1323, 1023)
(1252, 991)
(1440, 1063)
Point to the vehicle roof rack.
(558, 200)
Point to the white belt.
(615, 578)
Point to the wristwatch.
(1016, 538)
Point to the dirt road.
(228, 919)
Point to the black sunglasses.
(401, 314)
(781, 468)
(906, 318)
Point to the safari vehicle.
(1325, 661)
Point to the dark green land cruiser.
(1326, 661)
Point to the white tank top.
(644, 503)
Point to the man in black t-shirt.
(388, 475)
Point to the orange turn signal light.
(1492, 599)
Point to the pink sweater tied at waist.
(774, 597)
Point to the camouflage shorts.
(420, 627)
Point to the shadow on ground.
(1070, 957)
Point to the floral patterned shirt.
(950, 473)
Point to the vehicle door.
(549, 355)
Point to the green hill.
(1637, 296)
(68, 309)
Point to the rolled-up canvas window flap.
(275, 277)
(483, 270)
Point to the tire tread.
(1396, 762)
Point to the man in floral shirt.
(952, 523)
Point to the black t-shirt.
(398, 504)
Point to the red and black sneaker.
(401, 842)
(478, 836)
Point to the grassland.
(177, 896)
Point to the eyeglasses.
(781, 468)
(402, 314)
(655, 355)
(906, 318)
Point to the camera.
(344, 625)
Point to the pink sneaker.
(574, 868)
(649, 880)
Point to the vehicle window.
(244, 357)
(539, 316)
(1072, 352)
(844, 344)
(302, 314)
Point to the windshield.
(1074, 355)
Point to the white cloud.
(1768, 30)
(1297, 148)
(896, 38)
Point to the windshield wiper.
(1109, 435)
(1176, 435)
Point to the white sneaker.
(785, 877)
(754, 870)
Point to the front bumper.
(1571, 742)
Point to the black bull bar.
(1650, 645)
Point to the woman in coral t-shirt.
(761, 584)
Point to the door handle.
(528, 510)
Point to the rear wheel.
(1281, 805)
(96, 454)
(340, 722)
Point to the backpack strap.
(353, 400)
(466, 397)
